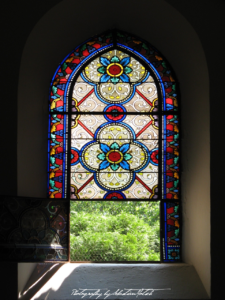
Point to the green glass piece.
(128, 70)
(64, 66)
(54, 89)
(176, 159)
(127, 156)
(115, 80)
(114, 167)
(176, 208)
(177, 232)
(115, 59)
(82, 48)
(164, 64)
(114, 146)
(101, 70)
(120, 34)
(101, 156)
(145, 46)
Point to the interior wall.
(24, 270)
(207, 18)
(48, 44)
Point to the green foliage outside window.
(114, 231)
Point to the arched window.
(114, 130)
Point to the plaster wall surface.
(179, 43)
(24, 271)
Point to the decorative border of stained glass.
(171, 236)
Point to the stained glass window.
(115, 149)
(114, 131)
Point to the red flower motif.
(115, 110)
(114, 195)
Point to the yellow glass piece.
(177, 223)
(51, 175)
(52, 152)
(53, 128)
(176, 175)
(176, 152)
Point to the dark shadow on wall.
(18, 19)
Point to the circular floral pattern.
(114, 156)
(115, 76)
(115, 69)
(114, 195)
(116, 113)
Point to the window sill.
(164, 281)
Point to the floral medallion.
(117, 74)
(114, 70)
(114, 156)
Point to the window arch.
(120, 97)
